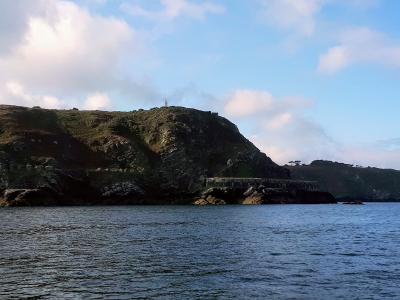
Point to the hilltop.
(57, 157)
(347, 182)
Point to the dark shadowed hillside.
(346, 182)
(120, 156)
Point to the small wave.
(276, 253)
(350, 254)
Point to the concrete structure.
(245, 183)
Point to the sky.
(302, 79)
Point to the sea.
(201, 252)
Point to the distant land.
(347, 182)
(166, 155)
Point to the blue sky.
(302, 79)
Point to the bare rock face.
(209, 200)
(27, 197)
(253, 200)
(262, 195)
(216, 196)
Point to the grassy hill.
(163, 152)
(346, 182)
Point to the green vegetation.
(244, 170)
(328, 163)
(167, 151)
(345, 181)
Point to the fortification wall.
(245, 183)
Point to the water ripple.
(189, 252)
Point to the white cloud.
(357, 46)
(173, 9)
(14, 22)
(296, 139)
(300, 16)
(101, 2)
(364, 155)
(305, 19)
(16, 92)
(278, 126)
(62, 49)
(380, 154)
(290, 143)
(338, 57)
(20, 96)
(69, 50)
(362, 4)
(278, 122)
(55, 47)
(244, 103)
(297, 16)
(98, 101)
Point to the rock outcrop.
(26, 197)
(216, 196)
(263, 195)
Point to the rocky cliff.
(62, 157)
(347, 182)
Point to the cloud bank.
(297, 16)
(62, 54)
(360, 45)
(356, 45)
(173, 9)
(278, 126)
(281, 128)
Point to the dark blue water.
(201, 252)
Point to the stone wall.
(14, 174)
(3, 176)
(245, 183)
(22, 168)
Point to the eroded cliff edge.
(162, 155)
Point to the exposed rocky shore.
(263, 195)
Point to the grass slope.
(349, 182)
